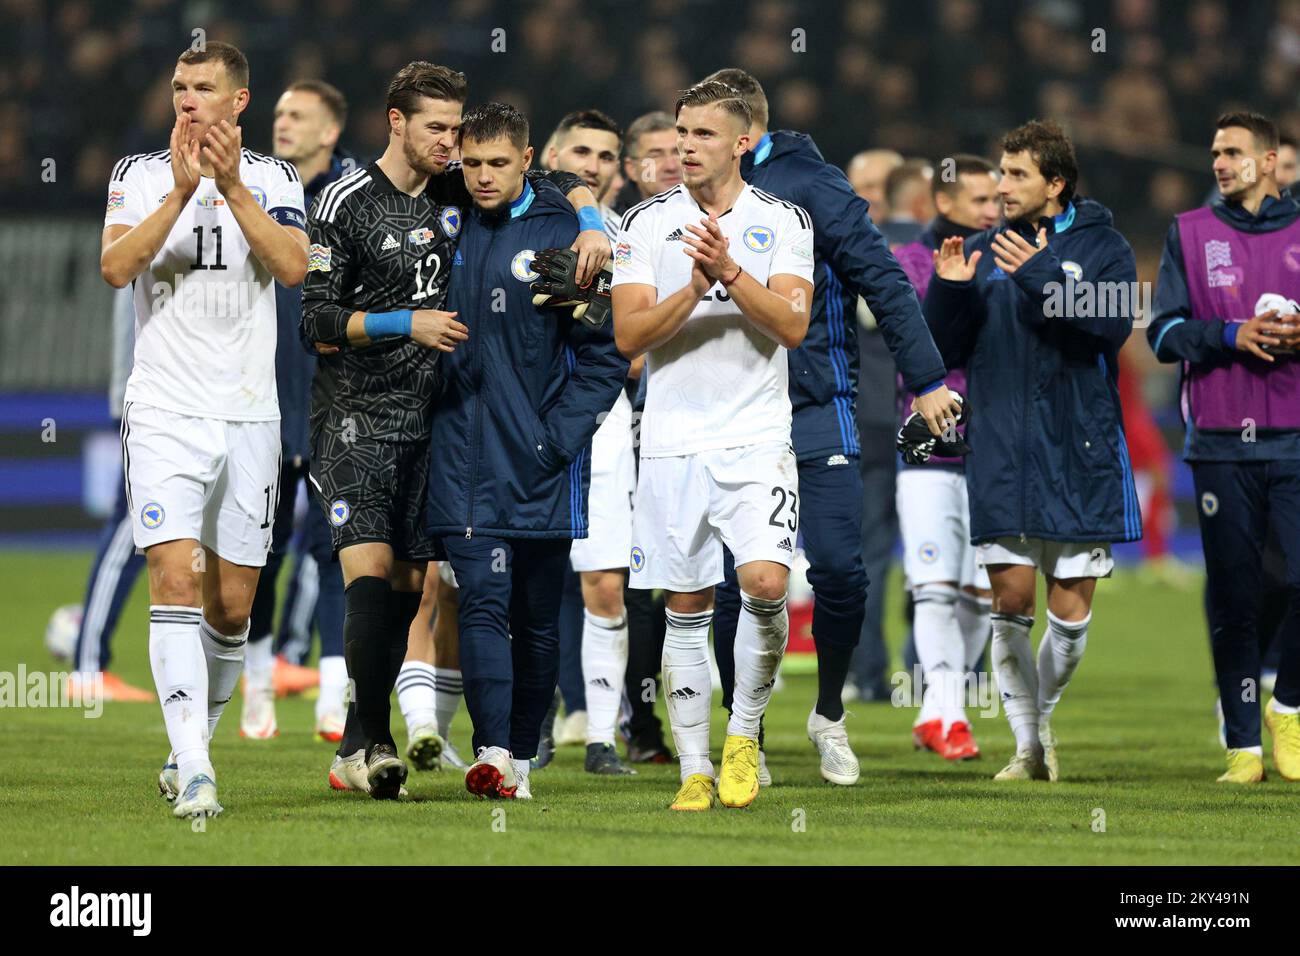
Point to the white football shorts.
(609, 500)
(688, 506)
(934, 522)
(1057, 559)
(212, 480)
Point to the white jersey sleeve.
(130, 190)
(794, 247)
(633, 250)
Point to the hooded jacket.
(850, 259)
(1040, 346)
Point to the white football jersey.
(205, 327)
(719, 382)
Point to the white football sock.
(761, 634)
(333, 685)
(225, 658)
(1013, 663)
(447, 692)
(941, 652)
(973, 620)
(604, 662)
(415, 695)
(1058, 655)
(688, 692)
(259, 664)
(181, 676)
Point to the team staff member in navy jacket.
(850, 258)
(1225, 306)
(1049, 479)
(510, 451)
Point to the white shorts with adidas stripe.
(689, 506)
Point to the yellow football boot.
(696, 793)
(1285, 729)
(1243, 767)
(738, 782)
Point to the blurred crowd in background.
(1136, 82)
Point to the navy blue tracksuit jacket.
(522, 397)
(1049, 459)
(850, 259)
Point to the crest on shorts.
(339, 512)
(522, 265)
(1209, 504)
(152, 515)
(449, 219)
(928, 552)
(637, 559)
(759, 238)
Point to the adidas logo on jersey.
(389, 244)
(674, 236)
(684, 693)
(837, 460)
(785, 545)
(179, 697)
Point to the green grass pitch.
(1137, 750)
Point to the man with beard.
(382, 243)
(1049, 480)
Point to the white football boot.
(839, 763)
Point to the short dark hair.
(335, 102)
(654, 122)
(1260, 126)
(229, 56)
(493, 121)
(712, 92)
(910, 171)
(1286, 139)
(420, 79)
(750, 90)
(588, 119)
(962, 164)
(1050, 149)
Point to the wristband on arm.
(387, 325)
(589, 218)
(1230, 334)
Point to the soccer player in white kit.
(587, 143)
(713, 279)
(203, 229)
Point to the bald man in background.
(867, 172)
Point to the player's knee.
(229, 613)
(1014, 602)
(605, 599)
(843, 584)
(766, 584)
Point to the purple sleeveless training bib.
(1227, 273)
